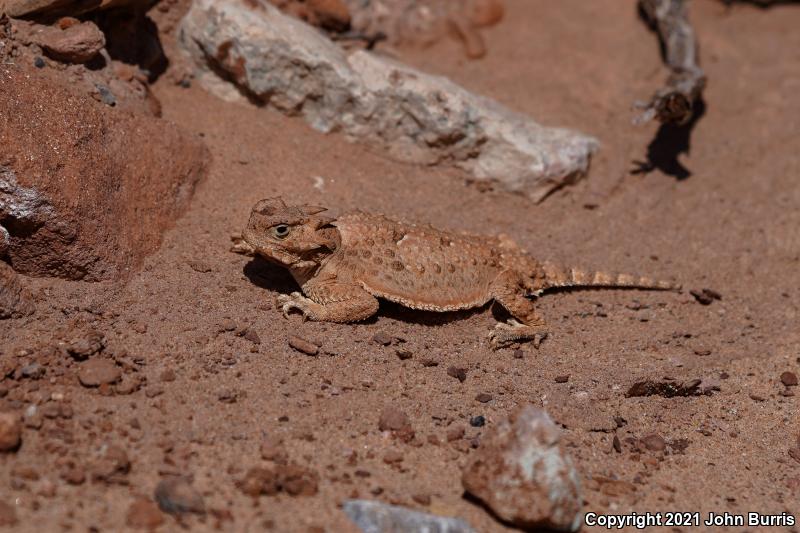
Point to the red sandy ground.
(732, 226)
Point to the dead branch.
(675, 102)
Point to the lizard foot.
(288, 302)
(514, 331)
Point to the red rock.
(98, 371)
(654, 442)
(78, 179)
(144, 514)
(10, 432)
(396, 421)
(15, 298)
(297, 481)
(260, 481)
(70, 43)
(112, 466)
(789, 379)
(302, 345)
(523, 474)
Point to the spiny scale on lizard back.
(417, 266)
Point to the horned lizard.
(344, 265)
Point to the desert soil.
(206, 397)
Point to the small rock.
(477, 421)
(789, 379)
(757, 398)
(523, 474)
(33, 371)
(10, 432)
(98, 371)
(106, 96)
(562, 379)
(87, 346)
(8, 514)
(302, 345)
(38, 62)
(382, 338)
(457, 372)
(705, 296)
(374, 516)
(258, 481)
(404, 354)
(654, 442)
(168, 375)
(251, 335)
(15, 298)
(396, 421)
(175, 495)
(112, 466)
(144, 514)
(227, 325)
(228, 396)
(483, 397)
(78, 43)
(616, 444)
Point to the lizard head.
(292, 236)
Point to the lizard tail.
(574, 277)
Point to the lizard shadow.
(277, 279)
(265, 275)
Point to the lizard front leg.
(509, 291)
(329, 301)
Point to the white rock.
(415, 117)
(377, 517)
(523, 474)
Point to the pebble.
(10, 431)
(38, 62)
(477, 421)
(562, 379)
(404, 354)
(227, 325)
(98, 371)
(705, 296)
(112, 466)
(457, 372)
(616, 444)
(8, 514)
(175, 495)
(258, 481)
(789, 379)
(106, 96)
(396, 421)
(483, 397)
(251, 335)
(382, 338)
(168, 375)
(302, 345)
(144, 514)
(523, 473)
(654, 442)
(392, 456)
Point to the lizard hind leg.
(508, 290)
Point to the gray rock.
(524, 475)
(415, 117)
(377, 517)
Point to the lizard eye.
(281, 231)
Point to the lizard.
(343, 265)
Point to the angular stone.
(15, 299)
(413, 116)
(77, 43)
(19, 8)
(78, 180)
(376, 517)
(524, 475)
